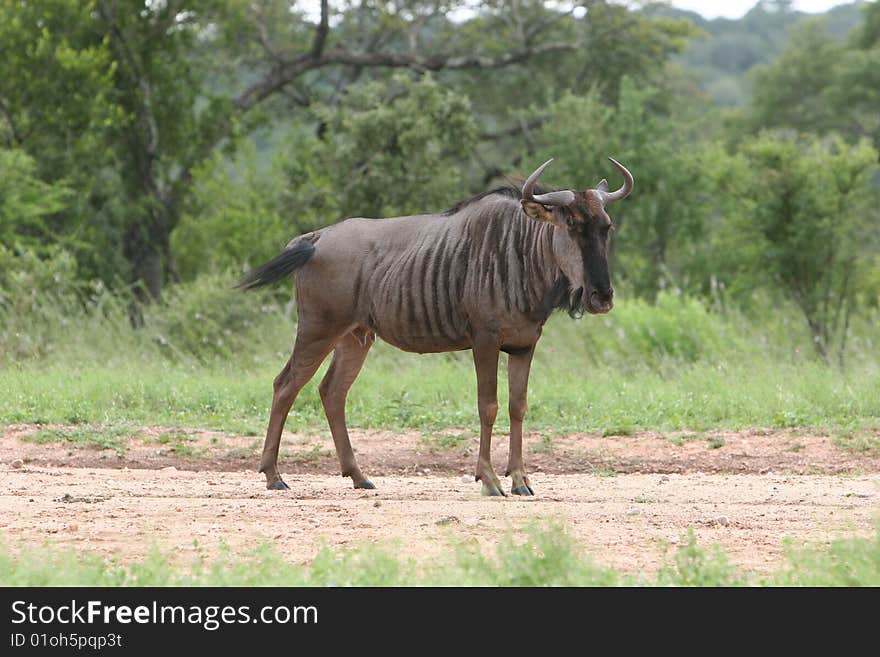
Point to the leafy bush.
(243, 212)
(675, 329)
(41, 301)
(25, 200)
(46, 311)
(208, 319)
(387, 149)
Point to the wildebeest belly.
(424, 344)
(413, 325)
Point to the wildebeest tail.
(284, 264)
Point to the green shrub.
(207, 319)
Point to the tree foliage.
(387, 149)
(146, 142)
(803, 219)
(661, 224)
(26, 202)
(731, 49)
(397, 148)
(824, 85)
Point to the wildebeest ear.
(538, 211)
(602, 186)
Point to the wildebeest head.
(580, 242)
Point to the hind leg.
(309, 352)
(351, 352)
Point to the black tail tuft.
(286, 262)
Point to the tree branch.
(166, 17)
(283, 73)
(412, 35)
(321, 32)
(439, 62)
(263, 35)
(145, 109)
(540, 26)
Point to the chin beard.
(576, 304)
(563, 297)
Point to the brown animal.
(484, 275)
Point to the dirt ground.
(628, 499)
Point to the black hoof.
(493, 491)
(522, 490)
(366, 483)
(278, 485)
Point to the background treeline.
(152, 151)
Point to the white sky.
(706, 8)
(738, 8)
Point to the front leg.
(486, 364)
(518, 367)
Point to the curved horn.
(565, 197)
(623, 192)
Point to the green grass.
(546, 556)
(104, 437)
(436, 392)
(617, 430)
(310, 455)
(543, 447)
(178, 443)
(716, 442)
(857, 441)
(443, 441)
(684, 438)
(208, 356)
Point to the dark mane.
(510, 191)
(560, 296)
(507, 190)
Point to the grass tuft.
(542, 555)
(107, 437)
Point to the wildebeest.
(484, 275)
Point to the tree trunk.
(841, 356)
(145, 260)
(819, 334)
